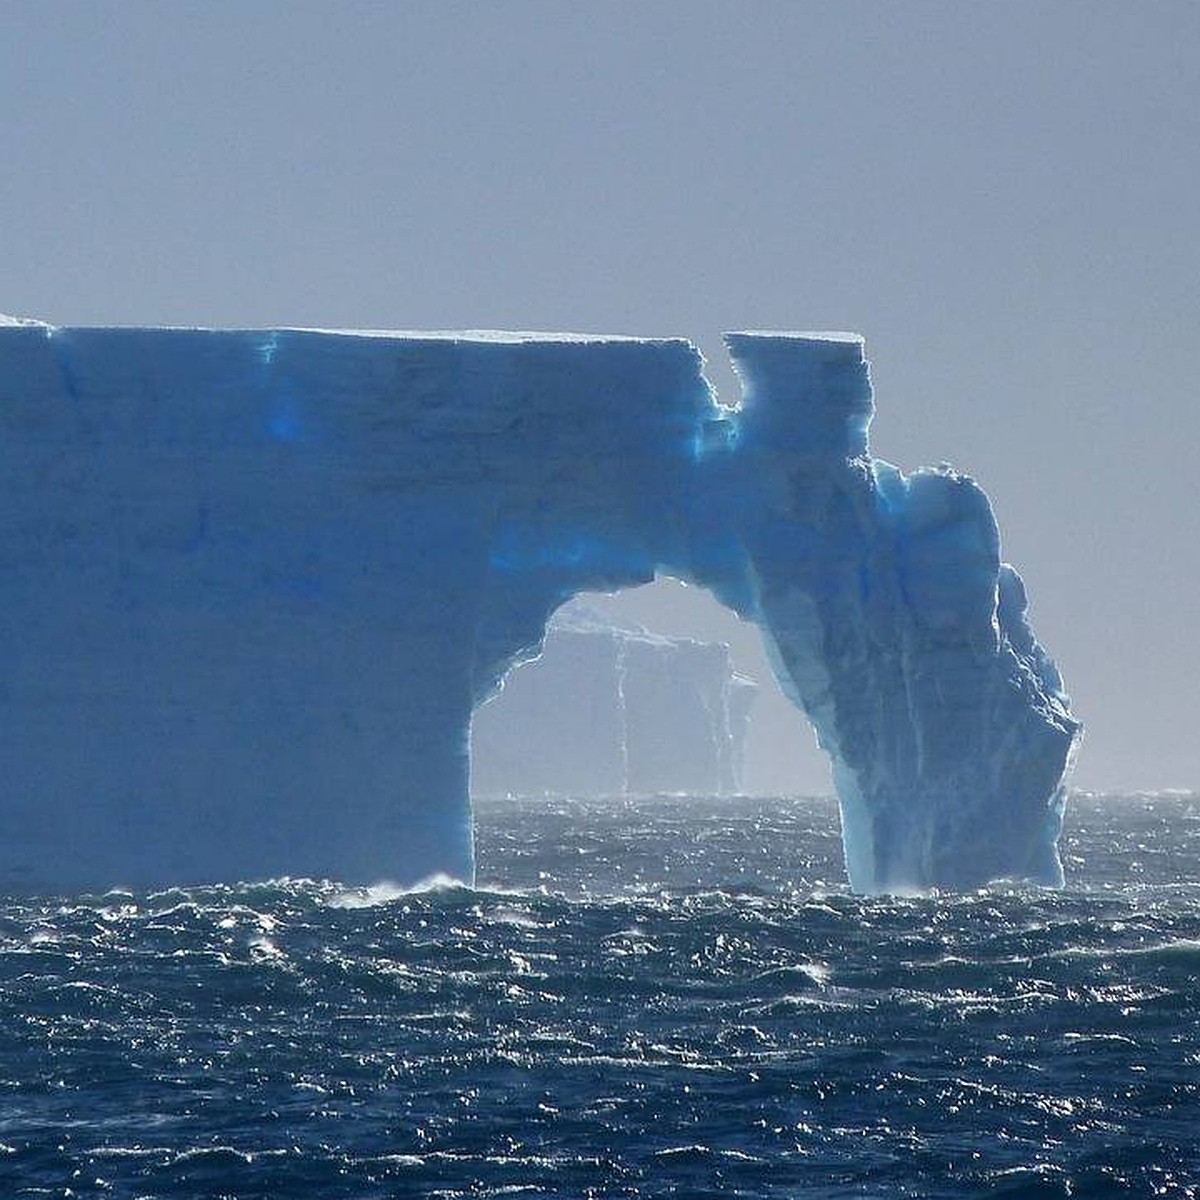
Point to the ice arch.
(653, 689)
(256, 582)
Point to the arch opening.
(658, 688)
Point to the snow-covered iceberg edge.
(255, 583)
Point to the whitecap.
(385, 892)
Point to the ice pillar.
(897, 628)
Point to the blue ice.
(291, 692)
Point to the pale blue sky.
(1001, 197)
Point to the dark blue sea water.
(671, 997)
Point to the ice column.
(896, 627)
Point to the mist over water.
(669, 996)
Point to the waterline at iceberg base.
(256, 582)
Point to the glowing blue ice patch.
(531, 549)
(284, 426)
(287, 421)
(718, 436)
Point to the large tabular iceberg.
(253, 585)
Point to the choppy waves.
(671, 997)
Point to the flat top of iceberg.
(800, 335)
(501, 336)
(505, 336)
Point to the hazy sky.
(1003, 198)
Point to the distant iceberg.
(611, 709)
(256, 582)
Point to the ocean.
(674, 996)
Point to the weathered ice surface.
(610, 710)
(254, 583)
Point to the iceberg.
(611, 709)
(256, 582)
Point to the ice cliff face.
(897, 628)
(254, 583)
(610, 710)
